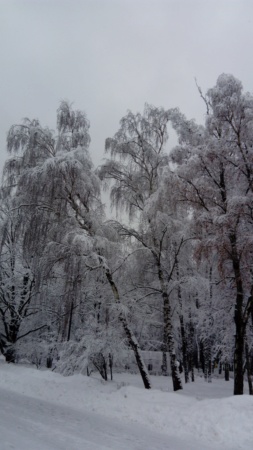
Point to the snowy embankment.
(203, 416)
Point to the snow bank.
(220, 423)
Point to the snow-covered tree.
(52, 179)
(18, 284)
(143, 187)
(215, 171)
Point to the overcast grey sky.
(108, 56)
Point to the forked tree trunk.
(132, 341)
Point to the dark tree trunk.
(99, 362)
(207, 361)
(7, 351)
(226, 371)
(202, 356)
(2, 344)
(7, 345)
(10, 355)
(111, 364)
(248, 368)
(210, 371)
(239, 319)
(182, 326)
(70, 319)
(65, 324)
(192, 374)
(209, 340)
(164, 358)
(191, 349)
(238, 357)
(105, 370)
(184, 349)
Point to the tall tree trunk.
(70, 319)
(248, 367)
(111, 364)
(168, 331)
(184, 349)
(164, 356)
(191, 348)
(182, 327)
(239, 323)
(176, 380)
(209, 339)
(192, 373)
(207, 361)
(226, 371)
(238, 354)
(133, 343)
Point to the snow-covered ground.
(42, 410)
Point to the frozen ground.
(41, 410)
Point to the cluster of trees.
(174, 276)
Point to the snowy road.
(31, 424)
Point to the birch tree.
(215, 169)
(138, 163)
(53, 180)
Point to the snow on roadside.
(222, 423)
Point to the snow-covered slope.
(41, 410)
